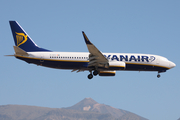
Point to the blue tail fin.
(22, 39)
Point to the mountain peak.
(86, 104)
(89, 101)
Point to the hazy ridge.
(87, 109)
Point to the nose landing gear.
(158, 76)
(161, 71)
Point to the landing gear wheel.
(90, 76)
(158, 75)
(95, 73)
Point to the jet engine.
(117, 65)
(107, 73)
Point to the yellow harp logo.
(21, 38)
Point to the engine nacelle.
(107, 73)
(117, 65)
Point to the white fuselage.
(79, 60)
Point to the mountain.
(21, 112)
(87, 109)
(88, 104)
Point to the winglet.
(96, 58)
(86, 38)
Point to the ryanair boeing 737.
(94, 61)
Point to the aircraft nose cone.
(171, 64)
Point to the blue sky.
(113, 26)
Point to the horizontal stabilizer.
(8, 55)
(19, 51)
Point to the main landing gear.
(90, 76)
(95, 72)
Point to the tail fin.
(22, 39)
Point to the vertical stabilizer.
(22, 39)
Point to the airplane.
(94, 61)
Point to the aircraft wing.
(96, 58)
